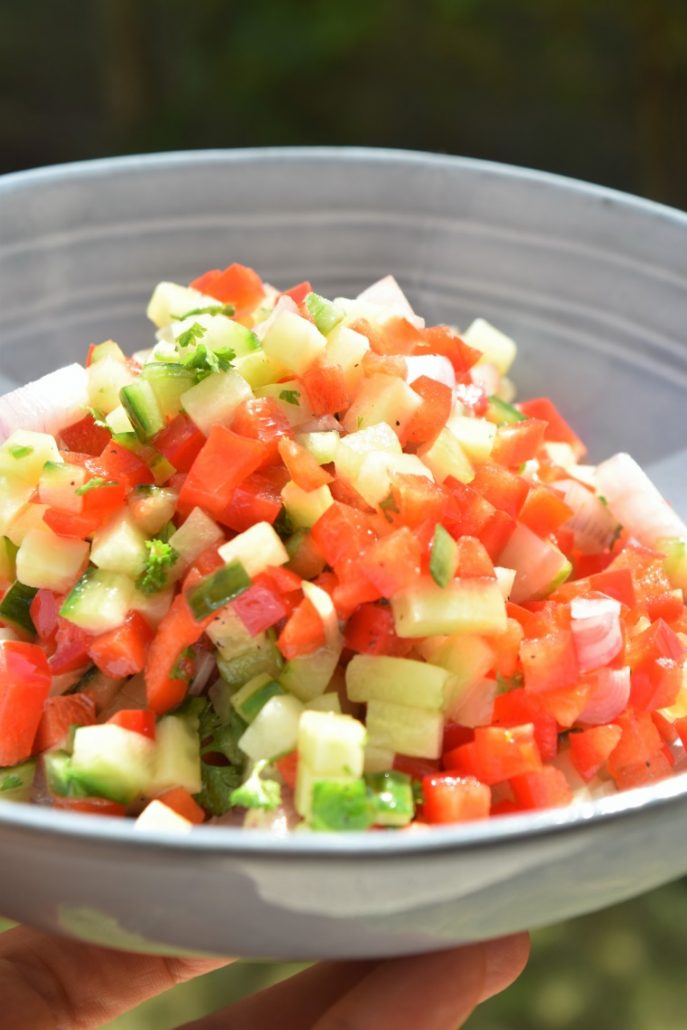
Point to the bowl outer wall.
(591, 283)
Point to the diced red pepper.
(24, 685)
(441, 339)
(416, 768)
(473, 559)
(71, 648)
(93, 806)
(454, 799)
(547, 788)
(342, 533)
(590, 748)
(518, 442)
(287, 766)
(615, 583)
(69, 524)
(392, 563)
(59, 715)
(502, 488)
(638, 758)
(180, 442)
(653, 589)
(557, 429)
(516, 708)
(325, 388)
(302, 467)
(565, 704)
(299, 292)
(455, 735)
(549, 662)
(544, 511)
(395, 336)
(370, 630)
(183, 803)
(259, 607)
(85, 436)
(256, 499)
(384, 364)
(122, 651)
(506, 647)
(44, 611)
(303, 633)
(166, 678)
(136, 720)
(224, 461)
(237, 284)
(430, 418)
(123, 466)
(416, 499)
(353, 589)
(497, 753)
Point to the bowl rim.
(506, 830)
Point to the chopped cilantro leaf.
(290, 396)
(211, 309)
(218, 783)
(256, 792)
(17, 451)
(159, 559)
(194, 332)
(11, 782)
(205, 361)
(95, 484)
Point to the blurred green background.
(590, 88)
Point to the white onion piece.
(434, 366)
(321, 424)
(609, 696)
(205, 666)
(388, 295)
(636, 502)
(487, 376)
(475, 707)
(592, 523)
(596, 631)
(285, 303)
(324, 606)
(47, 405)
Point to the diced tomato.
(549, 662)
(639, 757)
(123, 466)
(183, 803)
(652, 587)
(71, 648)
(353, 589)
(416, 499)
(85, 436)
(237, 284)
(469, 514)
(657, 641)
(256, 499)
(506, 647)
(455, 735)
(166, 678)
(259, 607)
(454, 799)
(516, 708)
(262, 418)
(557, 429)
(441, 339)
(342, 533)
(655, 683)
(69, 524)
(615, 583)
(502, 488)
(303, 633)
(302, 467)
(24, 685)
(430, 418)
(44, 611)
(180, 442)
(384, 364)
(299, 292)
(136, 720)
(103, 501)
(395, 336)
(93, 806)
(497, 754)
(472, 559)
(666, 727)
(392, 563)
(59, 715)
(287, 766)
(544, 511)
(518, 442)
(325, 388)
(370, 630)
(590, 748)
(122, 651)
(547, 788)
(207, 561)
(225, 459)
(565, 704)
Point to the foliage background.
(590, 88)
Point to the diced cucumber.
(403, 680)
(15, 608)
(274, 731)
(292, 400)
(112, 762)
(119, 422)
(382, 398)
(502, 413)
(255, 694)
(105, 380)
(325, 314)
(50, 561)
(464, 606)
(445, 457)
(153, 606)
(341, 806)
(230, 636)
(378, 759)
(58, 484)
(177, 755)
(216, 590)
(120, 546)
(24, 453)
(323, 446)
(329, 702)
(476, 436)
(304, 507)
(241, 667)
(107, 349)
(392, 795)
(16, 781)
(140, 403)
(410, 731)
(497, 348)
(256, 548)
(157, 817)
(539, 565)
(220, 333)
(8, 554)
(331, 744)
(466, 657)
(373, 481)
(99, 601)
(293, 341)
(675, 563)
(169, 382)
(443, 558)
(347, 348)
(151, 507)
(304, 558)
(309, 676)
(15, 494)
(30, 517)
(258, 369)
(172, 301)
(214, 400)
(195, 535)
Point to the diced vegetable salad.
(305, 563)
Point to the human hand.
(50, 983)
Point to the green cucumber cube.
(409, 731)
(256, 548)
(274, 731)
(112, 762)
(403, 680)
(464, 606)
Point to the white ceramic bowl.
(592, 284)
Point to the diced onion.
(636, 502)
(434, 366)
(592, 523)
(205, 666)
(47, 405)
(324, 606)
(609, 696)
(596, 631)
